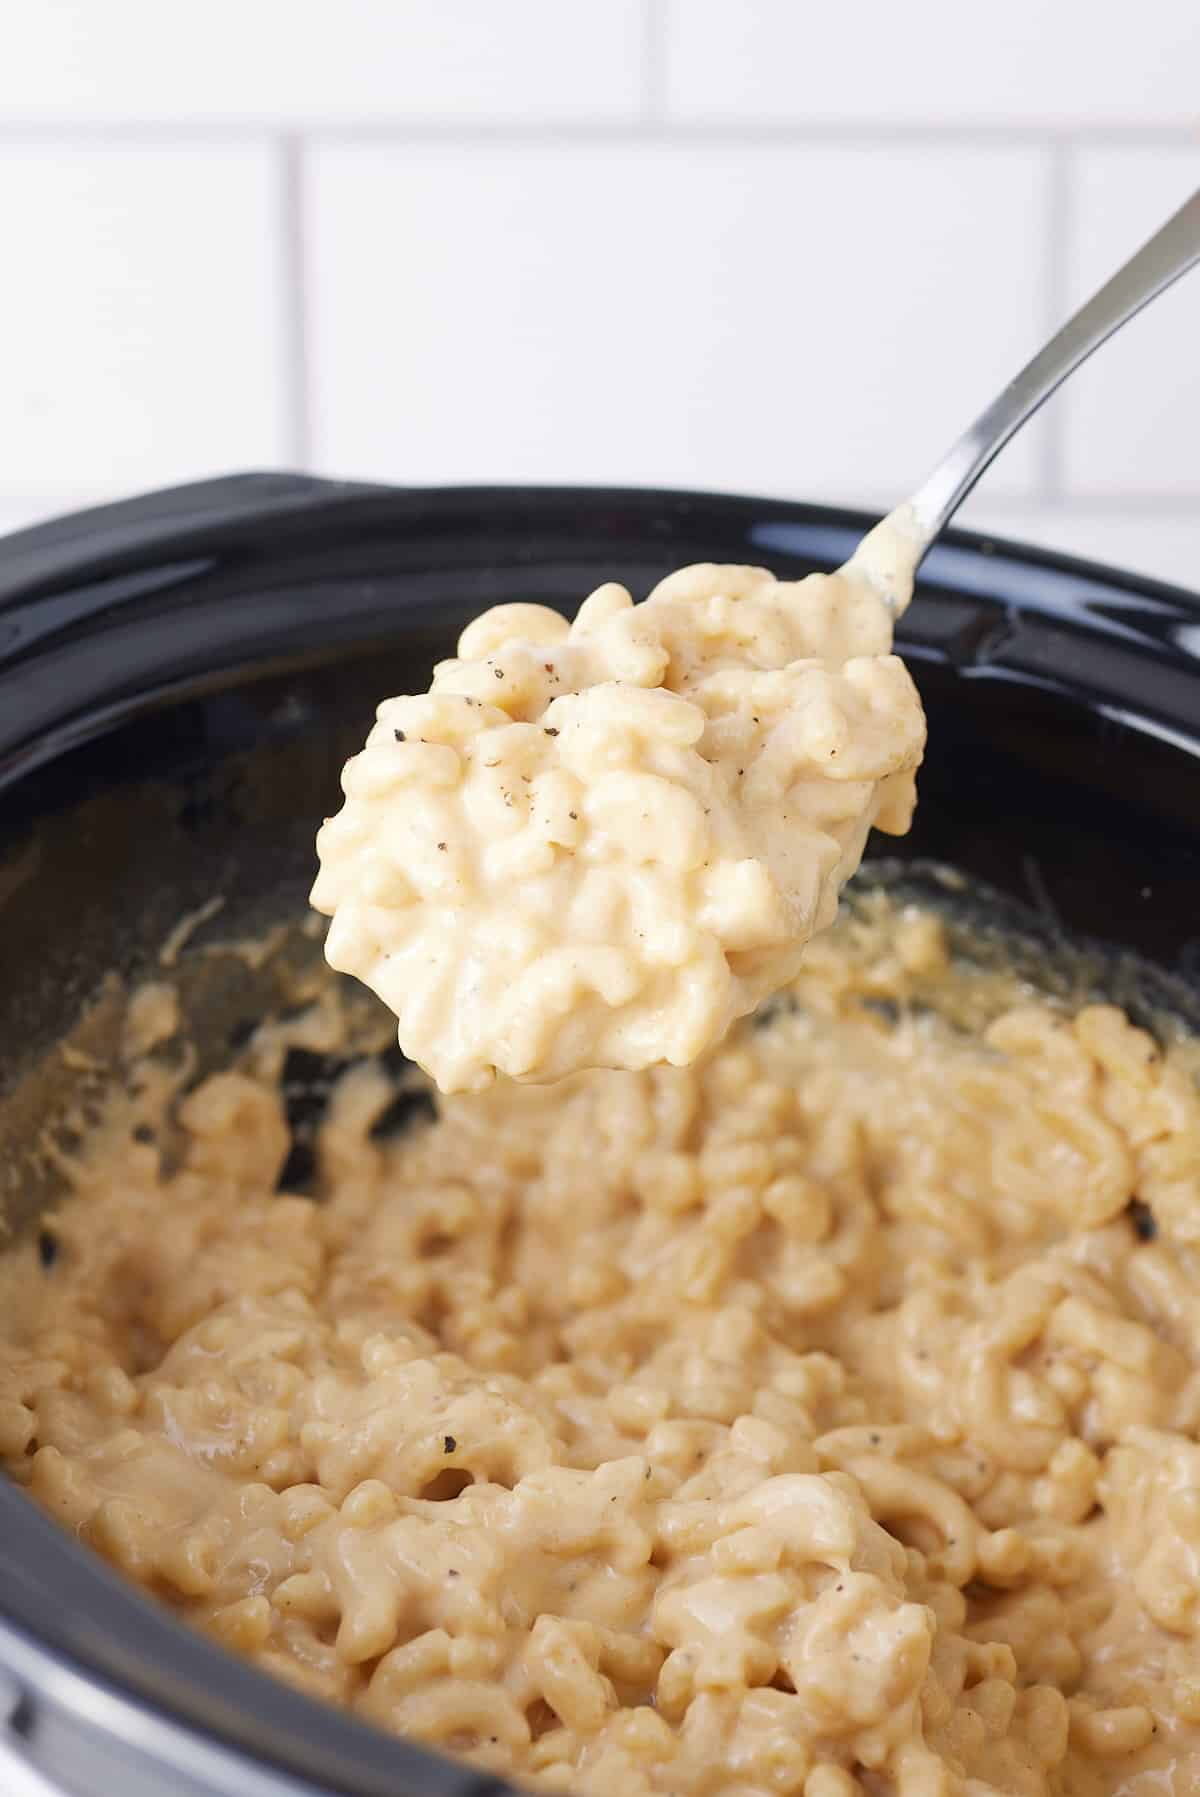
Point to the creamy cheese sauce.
(597, 844)
(818, 1418)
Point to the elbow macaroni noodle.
(597, 844)
(819, 1419)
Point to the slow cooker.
(181, 677)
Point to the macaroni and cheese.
(820, 1418)
(596, 844)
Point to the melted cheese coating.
(818, 1419)
(597, 844)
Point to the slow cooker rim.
(219, 507)
(107, 614)
(173, 1670)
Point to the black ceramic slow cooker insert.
(181, 678)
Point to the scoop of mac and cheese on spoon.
(596, 844)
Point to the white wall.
(761, 244)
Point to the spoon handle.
(1169, 253)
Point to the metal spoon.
(889, 556)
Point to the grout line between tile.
(654, 60)
(88, 132)
(1056, 301)
(294, 300)
(646, 129)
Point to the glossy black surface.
(181, 678)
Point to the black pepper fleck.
(549, 730)
(1143, 1220)
(442, 846)
(399, 736)
(574, 816)
(499, 673)
(448, 1444)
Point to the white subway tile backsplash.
(1132, 417)
(139, 315)
(759, 317)
(24, 510)
(305, 61)
(16, 514)
(1055, 62)
(1163, 543)
(550, 241)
